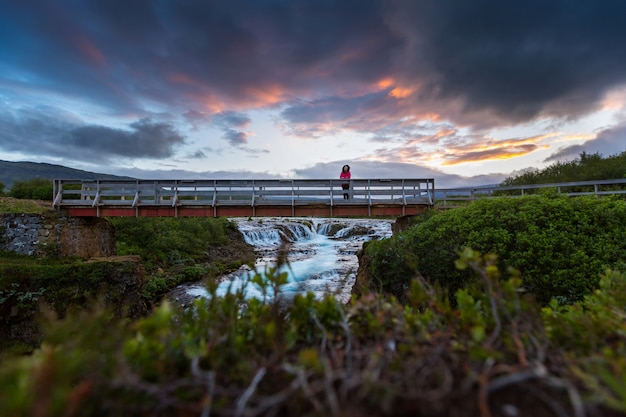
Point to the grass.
(13, 205)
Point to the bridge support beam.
(348, 210)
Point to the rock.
(40, 235)
(401, 223)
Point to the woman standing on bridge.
(345, 174)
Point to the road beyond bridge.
(243, 198)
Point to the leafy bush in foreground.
(560, 245)
(228, 356)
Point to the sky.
(467, 92)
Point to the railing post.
(96, 199)
(214, 198)
(57, 192)
(403, 196)
(175, 197)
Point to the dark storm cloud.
(143, 139)
(197, 52)
(516, 60)
(45, 132)
(480, 63)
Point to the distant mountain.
(22, 171)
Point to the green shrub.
(168, 241)
(34, 189)
(593, 335)
(391, 266)
(560, 245)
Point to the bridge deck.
(232, 198)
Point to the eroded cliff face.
(33, 291)
(64, 284)
(41, 235)
(363, 282)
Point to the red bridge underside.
(248, 211)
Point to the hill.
(22, 171)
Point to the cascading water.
(321, 254)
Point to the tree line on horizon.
(587, 167)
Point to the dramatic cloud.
(105, 80)
(144, 139)
(515, 61)
(41, 133)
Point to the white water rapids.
(321, 254)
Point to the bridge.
(289, 198)
(243, 198)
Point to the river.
(321, 254)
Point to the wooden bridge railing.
(101, 194)
(292, 197)
(455, 197)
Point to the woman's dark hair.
(345, 166)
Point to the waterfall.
(321, 253)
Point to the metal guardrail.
(175, 193)
(455, 197)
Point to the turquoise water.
(319, 260)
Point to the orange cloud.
(494, 150)
(385, 83)
(265, 95)
(461, 149)
(444, 133)
(209, 102)
(489, 154)
(396, 91)
(215, 101)
(400, 92)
